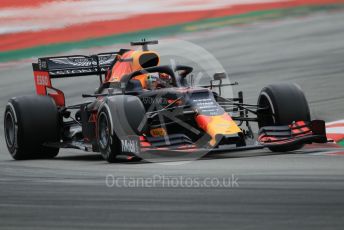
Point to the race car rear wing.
(48, 68)
(76, 65)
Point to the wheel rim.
(9, 129)
(104, 131)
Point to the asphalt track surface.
(301, 190)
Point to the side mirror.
(219, 76)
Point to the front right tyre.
(283, 104)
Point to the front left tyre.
(29, 123)
(121, 115)
(108, 143)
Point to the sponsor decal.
(42, 80)
(207, 106)
(131, 144)
(154, 100)
(42, 64)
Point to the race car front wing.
(299, 132)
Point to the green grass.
(341, 143)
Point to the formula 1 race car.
(143, 107)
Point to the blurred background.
(257, 42)
(30, 28)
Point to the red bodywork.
(44, 87)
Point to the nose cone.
(219, 127)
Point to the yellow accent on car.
(158, 132)
(221, 124)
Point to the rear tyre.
(29, 122)
(285, 104)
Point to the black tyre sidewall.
(288, 103)
(36, 123)
(11, 146)
(111, 149)
(124, 114)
